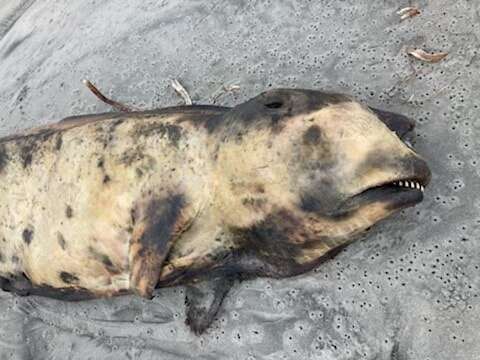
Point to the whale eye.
(275, 104)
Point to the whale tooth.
(409, 184)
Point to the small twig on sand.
(222, 90)
(181, 91)
(115, 104)
(408, 12)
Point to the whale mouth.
(396, 194)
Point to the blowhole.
(274, 104)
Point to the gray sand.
(407, 290)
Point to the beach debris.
(181, 91)
(426, 56)
(408, 12)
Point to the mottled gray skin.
(110, 204)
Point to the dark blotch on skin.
(270, 240)
(312, 136)
(164, 214)
(69, 212)
(133, 155)
(255, 203)
(3, 157)
(133, 216)
(64, 294)
(172, 131)
(61, 241)
(29, 144)
(59, 142)
(21, 285)
(27, 235)
(2, 259)
(115, 123)
(15, 259)
(319, 197)
(212, 123)
(106, 179)
(107, 262)
(68, 278)
(105, 133)
(309, 203)
(26, 153)
(104, 259)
